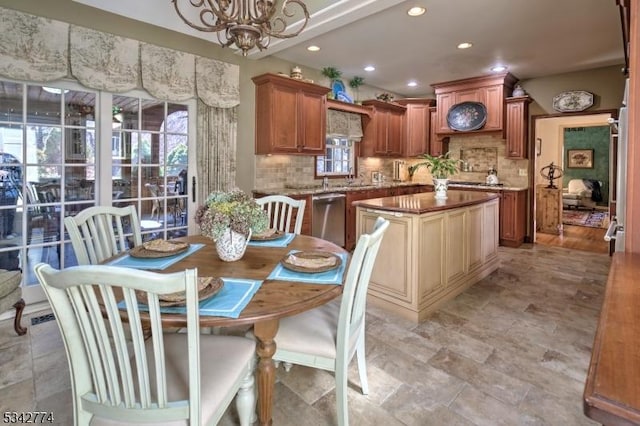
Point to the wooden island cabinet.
(290, 116)
(433, 249)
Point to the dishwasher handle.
(327, 196)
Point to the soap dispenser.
(492, 176)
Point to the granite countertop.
(305, 189)
(426, 202)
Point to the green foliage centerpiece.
(229, 219)
(441, 168)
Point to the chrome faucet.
(349, 178)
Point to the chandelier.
(245, 23)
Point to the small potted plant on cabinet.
(333, 74)
(355, 83)
(441, 168)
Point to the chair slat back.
(354, 295)
(110, 379)
(282, 210)
(100, 232)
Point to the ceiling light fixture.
(465, 45)
(412, 83)
(313, 48)
(245, 23)
(499, 68)
(369, 68)
(416, 11)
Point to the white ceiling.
(533, 38)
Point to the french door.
(64, 148)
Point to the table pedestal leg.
(265, 332)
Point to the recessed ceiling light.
(412, 83)
(416, 11)
(369, 68)
(313, 48)
(499, 68)
(465, 45)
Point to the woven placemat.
(143, 252)
(268, 235)
(207, 287)
(311, 261)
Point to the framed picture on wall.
(580, 158)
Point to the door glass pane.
(11, 101)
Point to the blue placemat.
(229, 302)
(333, 276)
(154, 263)
(280, 242)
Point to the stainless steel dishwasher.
(328, 217)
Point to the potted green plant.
(333, 74)
(355, 83)
(440, 167)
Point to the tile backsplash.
(480, 151)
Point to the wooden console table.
(548, 210)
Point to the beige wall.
(607, 85)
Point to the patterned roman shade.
(344, 124)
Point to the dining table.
(275, 298)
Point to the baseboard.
(29, 309)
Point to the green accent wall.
(598, 139)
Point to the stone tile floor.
(512, 350)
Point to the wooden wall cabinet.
(417, 122)
(437, 144)
(490, 90)
(548, 210)
(290, 116)
(384, 132)
(517, 131)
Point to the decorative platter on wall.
(467, 116)
(572, 101)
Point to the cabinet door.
(284, 119)
(436, 147)
(517, 123)
(475, 236)
(456, 246)
(312, 124)
(493, 100)
(513, 218)
(381, 119)
(444, 101)
(395, 133)
(417, 121)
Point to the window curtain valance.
(39, 49)
(344, 124)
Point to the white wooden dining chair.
(282, 210)
(100, 232)
(329, 336)
(117, 381)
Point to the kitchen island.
(433, 249)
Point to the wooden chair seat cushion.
(312, 332)
(226, 370)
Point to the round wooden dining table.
(274, 300)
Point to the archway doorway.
(558, 139)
